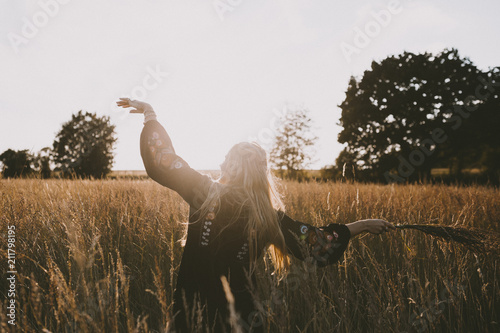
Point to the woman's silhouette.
(232, 222)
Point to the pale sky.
(229, 67)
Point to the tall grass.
(102, 256)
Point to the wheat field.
(102, 256)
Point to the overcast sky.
(215, 71)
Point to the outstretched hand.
(377, 226)
(138, 106)
(374, 226)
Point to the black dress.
(217, 245)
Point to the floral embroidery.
(205, 233)
(178, 165)
(205, 230)
(242, 252)
(321, 241)
(313, 238)
(163, 155)
(303, 230)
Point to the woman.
(232, 222)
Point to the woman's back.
(217, 245)
(222, 220)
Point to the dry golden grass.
(102, 256)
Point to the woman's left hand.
(374, 226)
(378, 226)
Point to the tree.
(292, 150)
(42, 163)
(480, 131)
(84, 146)
(399, 120)
(16, 163)
(23, 163)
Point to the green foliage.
(42, 163)
(23, 163)
(84, 146)
(292, 151)
(394, 114)
(16, 163)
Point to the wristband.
(149, 115)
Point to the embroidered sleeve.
(165, 167)
(325, 245)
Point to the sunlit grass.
(102, 256)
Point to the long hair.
(248, 179)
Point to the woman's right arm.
(161, 162)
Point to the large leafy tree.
(84, 146)
(292, 150)
(399, 120)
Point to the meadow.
(102, 256)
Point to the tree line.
(406, 117)
(82, 148)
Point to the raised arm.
(161, 162)
(325, 245)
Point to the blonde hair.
(246, 175)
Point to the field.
(102, 256)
